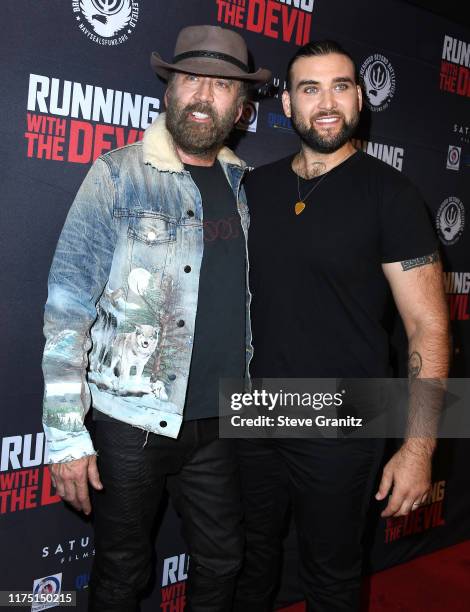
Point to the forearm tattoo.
(420, 261)
(415, 363)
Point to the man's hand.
(71, 481)
(410, 474)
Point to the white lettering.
(447, 48)
(89, 102)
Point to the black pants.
(201, 475)
(330, 484)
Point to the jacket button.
(190, 213)
(163, 423)
(187, 269)
(180, 323)
(151, 236)
(171, 376)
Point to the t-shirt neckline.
(342, 164)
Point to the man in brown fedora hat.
(147, 309)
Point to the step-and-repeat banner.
(76, 82)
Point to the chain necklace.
(301, 203)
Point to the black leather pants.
(201, 476)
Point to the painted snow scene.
(135, 348)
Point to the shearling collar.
(159, 149)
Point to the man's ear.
(359, 96)
(165, 97)
(239, 112)
(286, 103)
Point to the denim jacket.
(123, 293)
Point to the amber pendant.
(299, 207)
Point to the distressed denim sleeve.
(79, 272)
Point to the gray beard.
(195, 138)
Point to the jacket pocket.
(152, 230)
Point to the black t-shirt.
(219, 338)
(320, 297)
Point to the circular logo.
(48, 585)
(106, 22)
(453, 158)
(378, 77)
(249, 114)
(450, 220)
(454, 155)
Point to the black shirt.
(219, 338)
(319, 293)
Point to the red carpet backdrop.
(76, 82)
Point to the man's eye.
(341, 87)
(310, 90)
(192, 77)
(223, 84)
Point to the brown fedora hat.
(212, 51)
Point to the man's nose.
(327, 100)
(204, 93)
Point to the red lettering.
(255, 18)
(463, 82)
(80, 152)
(4, 495)
(168, 593)
(17, 500)
(30, 501)
(239, 17)
(288, 23)
(6, 481)
(427, 516)
(307, 28)
(271, 19)
(47, 497)
(58, 148)
(34, 122)
(458, 307)
(438, 520)
(133, 136)
(453, 305)
(31, 138)
(300, 29)
(100, 144)
(417, 520)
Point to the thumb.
(93, 474)
(385, 486)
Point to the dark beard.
(195, 138)
(324, 144)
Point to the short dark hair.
(316, 48)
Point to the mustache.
(200, 107)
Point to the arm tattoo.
(420, 261)
(415, 364)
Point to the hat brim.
(208, 67)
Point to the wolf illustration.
(133, 349)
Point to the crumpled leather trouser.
(200, 473)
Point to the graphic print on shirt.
(130, 359)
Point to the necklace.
(301, 202)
